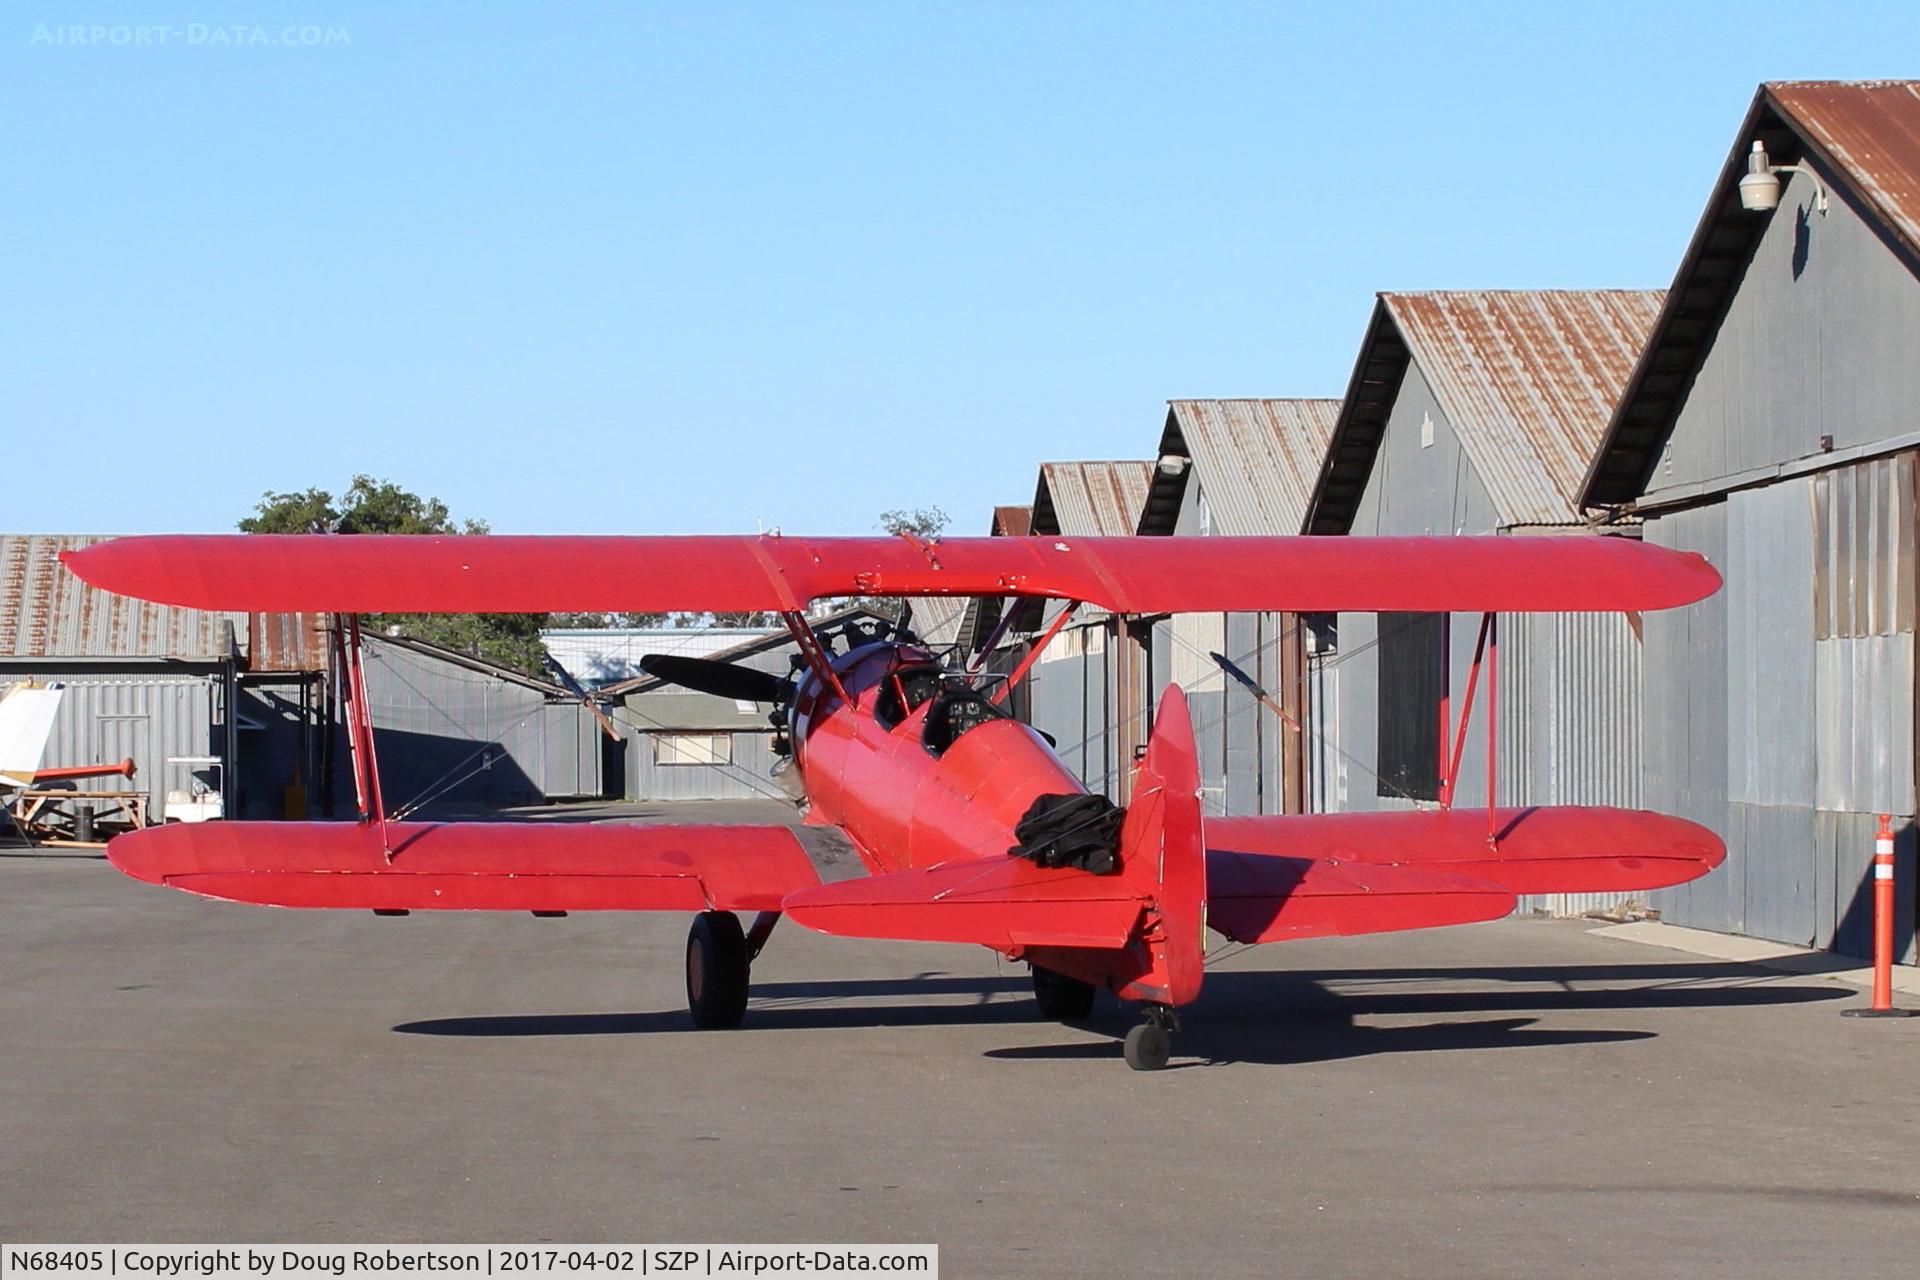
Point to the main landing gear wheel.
(716, 971)
(1061, 998)
(1149, 1044)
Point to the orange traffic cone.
(1882, 1006)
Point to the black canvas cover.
(1070, 831)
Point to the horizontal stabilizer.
(996, 902)
(369, 573)
(1261, 898)
(1554, 849)
(472, 866)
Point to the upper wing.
(508, 574)
(1286, 877)
(475, 866)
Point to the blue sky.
(682, 268)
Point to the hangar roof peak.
(1090, 499)
(1527, 378)
(1870, 131)
(1257, 459)
(1011, 522)
(1863, 137)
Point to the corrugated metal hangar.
(1757, 412)
(1769, 425)
(241, 706)
(1238, 468)
(1475, 413)
(1087, 690)
(143, 681)
(682, 745)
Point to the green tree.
(924, 523)
(380, 506)
(368, 506)
(921, 522)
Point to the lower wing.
(486, 866)
(1274, 878)
(812, 873)
(1267, 879)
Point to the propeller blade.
(566, 681)
(721, 679)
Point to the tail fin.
(1163, 855)
(26, 721)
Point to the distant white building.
(609, 655)
(684, 745)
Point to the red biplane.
(960, 823)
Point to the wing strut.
(1487, 647)
(809, 645)
(366, 767)
(1033, 654)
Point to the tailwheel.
(1149, 1044)
(716, 971)
(1061, 998)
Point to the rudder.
(1163, 855)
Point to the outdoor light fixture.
(1760, 189)
(1172, 464)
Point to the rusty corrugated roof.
(288, 641)
(1011, 522)
(1255, 459)
(1089, 499)
(1870, 130)
(46, 612)
(1528, 379)
(939, 620)
(1863, 137)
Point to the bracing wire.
(1206, 685)
(459, 771)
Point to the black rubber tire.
(1061, 998)
(1147, 1047)
(716, 971)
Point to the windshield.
(959, 708)
(903, 692)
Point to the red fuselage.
(906, 800)
(937, 785)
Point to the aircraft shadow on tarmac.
(1260, 1017)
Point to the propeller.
(721, 679)
(566, 681)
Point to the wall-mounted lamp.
(1760, 189)
(1172, 464)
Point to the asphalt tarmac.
(1520, 1098)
